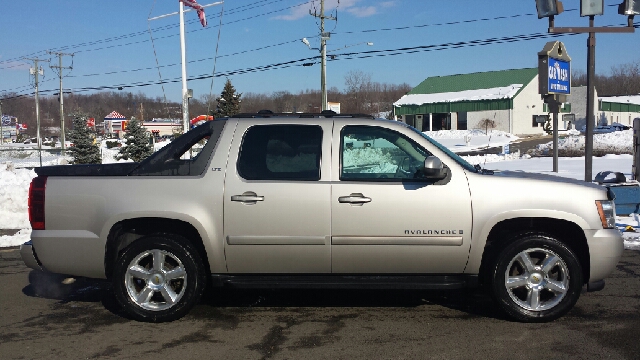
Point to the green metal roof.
(475, 81)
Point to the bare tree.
(358, 85)
(486, 124)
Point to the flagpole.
(185, 91)
(185, 100)
(187, 10)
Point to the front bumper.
(29, 256)
(605, 249)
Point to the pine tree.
(137, 147)
(84, 149)
(228, 101)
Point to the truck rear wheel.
(159, 278)
(536, 278)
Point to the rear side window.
(281, 152)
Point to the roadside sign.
(559, 80)
(554, 70)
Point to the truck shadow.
(467, 303)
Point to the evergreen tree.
(84, 149)
(228, 101)
(137, 147)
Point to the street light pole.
(591, 89)
(550, 8)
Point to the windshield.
(449, 153)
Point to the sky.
(15, 180)
(259, 47)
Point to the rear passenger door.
(276, 203)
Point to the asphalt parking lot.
(41, 318)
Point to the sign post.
(554, 84)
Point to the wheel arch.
(562, 230)
(127, 231)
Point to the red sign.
(91, 122)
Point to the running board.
(425, 282)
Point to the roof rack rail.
(323, 114)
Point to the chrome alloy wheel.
(156, 280)
(537, 279)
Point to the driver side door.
(385, 217)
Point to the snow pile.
(617, 142)
(456, 140)
(630, 227)
(14, 188)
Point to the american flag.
(199, 9)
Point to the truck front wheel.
(536, 278)
(159, 278)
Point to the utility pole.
(35, 71)
(141, 113)
(1, 126)
(323, 51)
(60, 68)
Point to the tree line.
(623, 80)
(360, 95)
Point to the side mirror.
(433, 169)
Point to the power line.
(343, 56)
(269, 46)
(161, 28)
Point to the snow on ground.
(455, 140)
(14, 180)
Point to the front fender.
(482, 230)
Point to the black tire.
(159, 278)
(537, 292)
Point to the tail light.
(36, 202)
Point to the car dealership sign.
(559, 76)
(554, 70)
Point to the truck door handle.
(355, 198)
(248, 197)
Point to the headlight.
(607, 211)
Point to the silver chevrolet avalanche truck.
(325, 201)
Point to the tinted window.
(281, 152)
(374, 153)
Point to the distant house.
(461, 102)
(618, 109)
